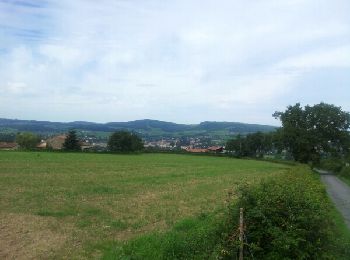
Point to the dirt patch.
(25, 236)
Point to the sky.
(184, 61)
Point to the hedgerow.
(288, 217)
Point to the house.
(196, 150)
(216, 149)
(85, 146)
(42, 145)
(56, 142)
(8, 146)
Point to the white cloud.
(135, 58)
(330, 57)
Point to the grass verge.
(289, 217)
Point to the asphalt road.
(339, 192)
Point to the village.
(92, 144)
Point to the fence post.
(241, 234)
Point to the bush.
(27, 140)
(124, 142)
(286, 218)
(345, 172)
(332, 164)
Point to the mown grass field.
(60, 205)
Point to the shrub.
(286, 218)
(332, 164)
(27, 140)
(345, 172)
(124, 142)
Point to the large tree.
(251, 145)
(124, 142)
(71, 143)
(313, 131)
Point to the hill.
(146, 127)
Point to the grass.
(89, 200)
(345, 179)
(342, 233)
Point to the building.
(8, 146)
(56, 142)
(196, 150)
(216, 149)
(85, 146)
(42, 145)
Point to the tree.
(235, 145)
(27, 140)
(71, 143)
(252, 145)
(124, 141)
(313, 131)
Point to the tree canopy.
(124, 141)
(253, 145)
(71, 143)
(313, 131)
(27, 140)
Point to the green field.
(56, 205)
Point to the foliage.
(345, 173)
(71, 143)
(7, 137)
(314, 131)
(333, 165)
(288, 217)
(123, 141)
(27, 140)
(254, 145)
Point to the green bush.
(124, 142)
(288, 217)
(332, 164)
(345, 172)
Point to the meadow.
(69, 205)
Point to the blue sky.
(184, 61)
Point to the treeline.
(256, 145)
(308, 134)
(118, 142)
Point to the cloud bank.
(182, 61)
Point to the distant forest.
(146, 128)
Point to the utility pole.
(241, 234)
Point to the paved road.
(339, 193)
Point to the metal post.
(241, 234)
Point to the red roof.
(196, 150)
(5, 145)
(215, 148)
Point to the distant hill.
(145, 127)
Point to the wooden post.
(241, 234)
